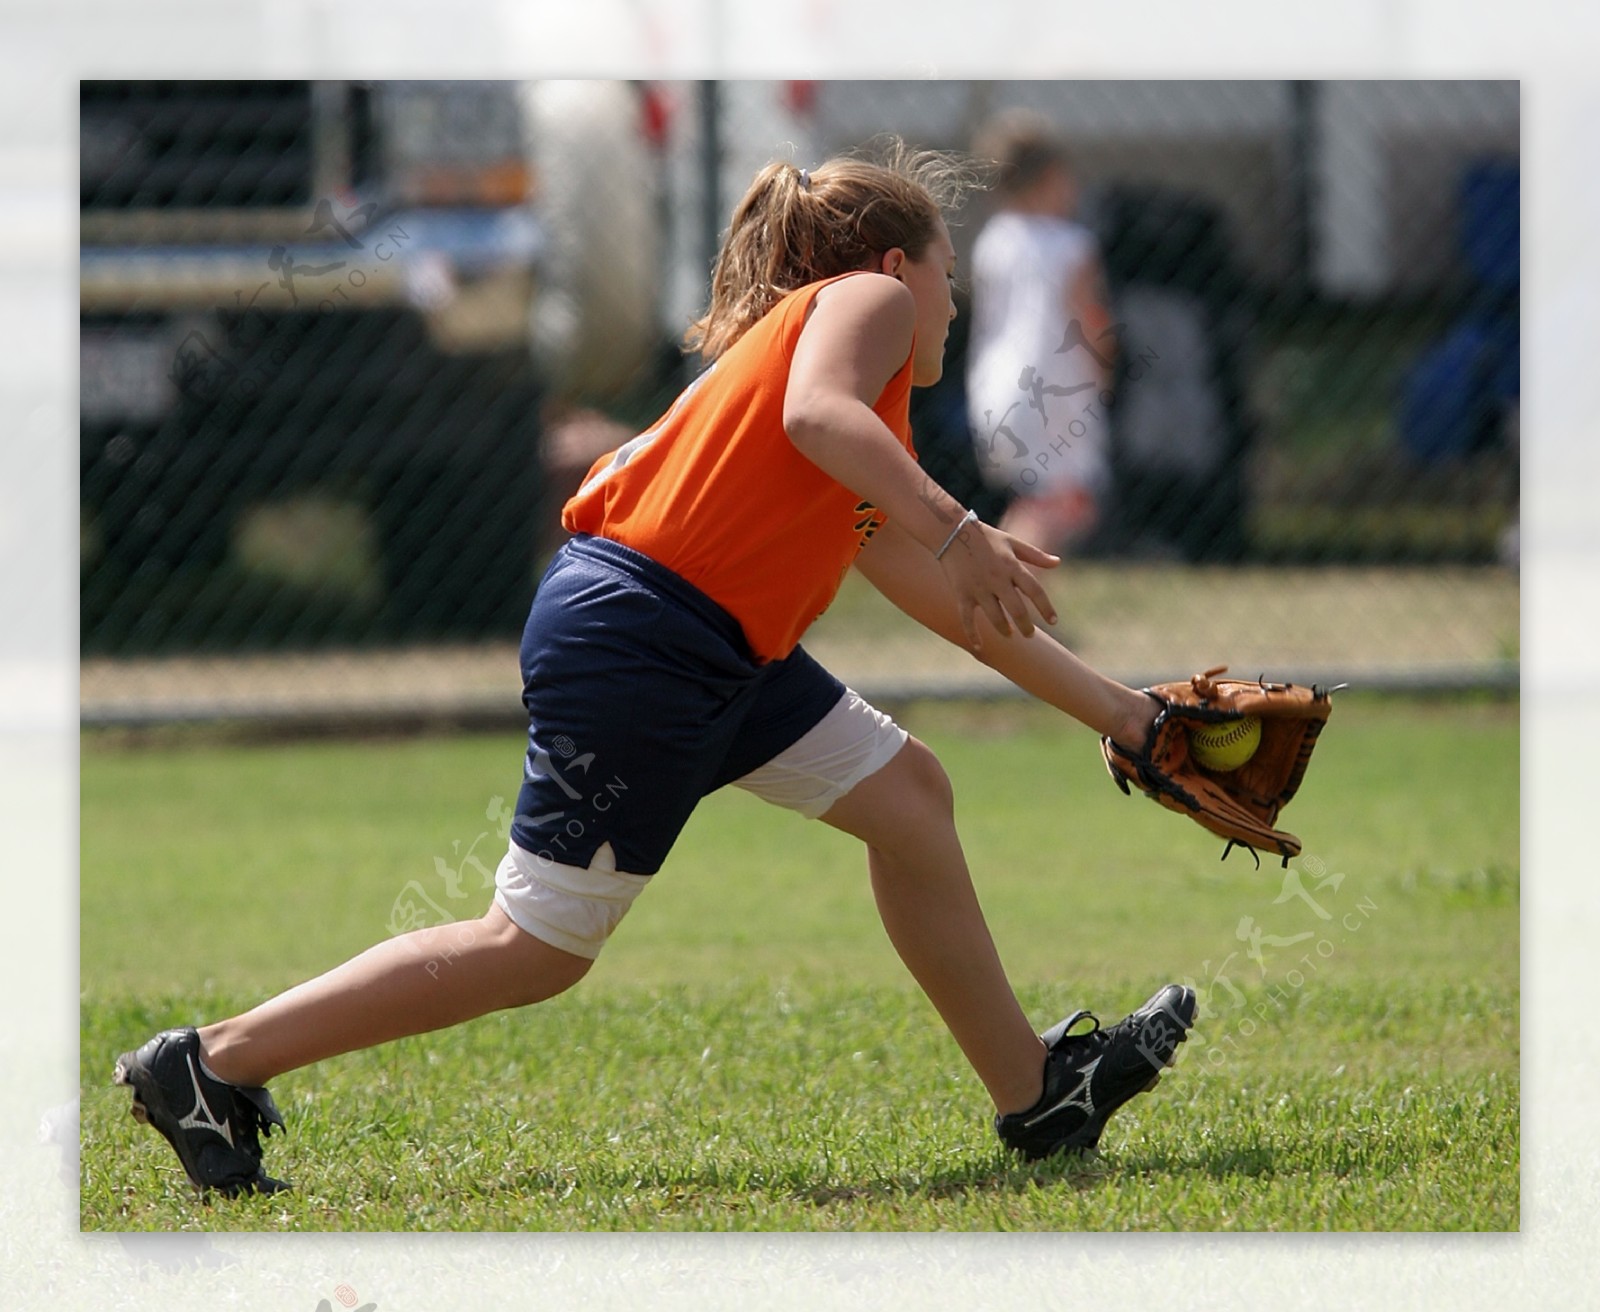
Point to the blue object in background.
(1446, 405)
(1491, 224)
(1454, 396)
(1491, 246)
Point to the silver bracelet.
(971, 517)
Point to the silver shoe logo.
(1078, 1096)
(192, 1121)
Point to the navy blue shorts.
(642, 697)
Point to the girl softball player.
(664, 640)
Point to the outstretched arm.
(858, 336)
(909, 577)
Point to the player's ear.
(892, 260)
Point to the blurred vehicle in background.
(347, 346)
(333, 311)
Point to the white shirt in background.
(1035, 410)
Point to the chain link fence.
(345, 348)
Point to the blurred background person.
(1042, 352)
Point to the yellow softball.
(1225, 746)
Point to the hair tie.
(805, 179)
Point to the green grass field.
(748, 1053)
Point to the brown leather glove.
(1239, 805)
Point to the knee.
(534, 971)
(929, 785)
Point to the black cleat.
(1088, 1076)
(212, 1125)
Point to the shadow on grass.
(1219, 1161)
(980, 1178)
(1081, 1171)
(1075, 1170)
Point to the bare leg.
(905, 815)
(409, 984)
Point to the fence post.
(711, 171)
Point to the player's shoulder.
(865, 287)
(875, 298)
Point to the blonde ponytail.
(796, 226)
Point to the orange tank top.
(717, 493)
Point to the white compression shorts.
(576, 909)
